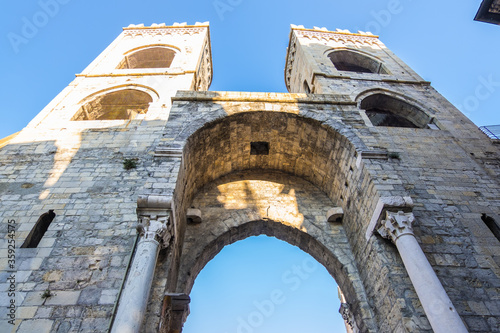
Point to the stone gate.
(363, 165)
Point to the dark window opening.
(118, 105)
(387, 118)
(154, 57)
(41, 226)
(344, 66)
(352, 61)
(385, 110)
(259, 148)
(492, 225)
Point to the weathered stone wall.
(298, 145)
(323, 153)
(76, 169)
(83, 256)
(216, 136)
(451, 173)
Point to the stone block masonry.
(237, 164)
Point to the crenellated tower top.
(163, 29)
(339, 35)
(339, 54)
(134, 78)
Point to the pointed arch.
(322, 154)
(288, 272)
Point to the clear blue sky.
(438, 39)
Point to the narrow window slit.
(492, 225)
(41, 226)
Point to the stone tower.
(124, 187)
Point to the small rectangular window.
(259, 148)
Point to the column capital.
(396, 225)
(345, 312)
(155, 227)
(155, 218)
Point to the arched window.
(384, 110)
(351, 61)
(41, 226)
(121, 104)
(153, 57)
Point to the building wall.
(76, 169)
(450, 171)
(195, 146)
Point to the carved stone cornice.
(339, 36)
(164, 30)
(396, 225)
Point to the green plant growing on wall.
(47, 293)
(129, 163)
(394, 155)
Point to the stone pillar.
(437, 305)
(155, 231)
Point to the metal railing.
(493, 131)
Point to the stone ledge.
(379, 78)
(168, 152)
(230, 96)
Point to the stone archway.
(252, 203)
(208, 138)
(262, 283)
(287, 144)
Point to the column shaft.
(437, 305)
(135, 295)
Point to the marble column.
(437, 305)
(155, 231)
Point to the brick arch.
(116, 105)
(319, 151)
(323, 152)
